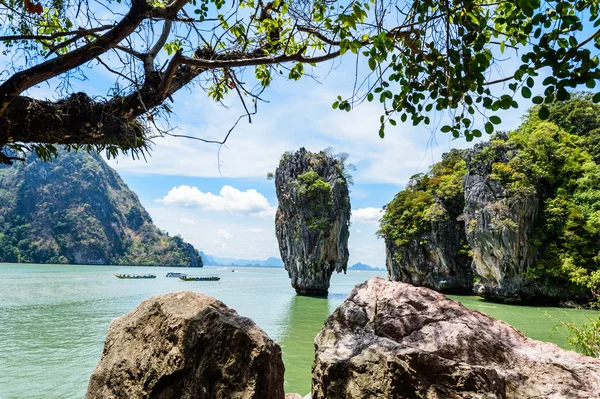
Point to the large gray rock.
(312, 219)
(392, 340)
(187, 345)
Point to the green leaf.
(372, 64)
(596, 98)
(489, 128)
(495, 120)
(526, 92)
(537, 100)
(445, 129)
(392, 122)
(543, 113)
(370, 97)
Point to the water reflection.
(301, 323)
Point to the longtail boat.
(135, 276)
(200, 278)
(172, 274)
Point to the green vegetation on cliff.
(76, 209)
(552, 162)
(556, 161)
(429, 197)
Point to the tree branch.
(79, 32)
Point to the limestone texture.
(433, 260)
(393, 340)
(312, 219)
(187, 345)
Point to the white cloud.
(187, 221)
(358, 231)
(229, 199)
(224, 234)
(366, 215)
(254, 230)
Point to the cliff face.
(500, 228)
(425, 240)
(434, 260)
(312, 219)
(76, 209)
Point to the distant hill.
(76, 209)
(211, 260)
(362, 266)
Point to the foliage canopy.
(418, 57)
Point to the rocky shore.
(386, 340)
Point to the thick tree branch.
(231, 61)
(140, 10)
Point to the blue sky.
(229, 211)
(183, 189)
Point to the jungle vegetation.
(556, 161)
(412, 57)
(78, 210)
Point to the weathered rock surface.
(392, 340)
(187, 345)
(312, 219)
(435, 259)
(499, 230)
(424, 236)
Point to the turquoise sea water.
(54, 318)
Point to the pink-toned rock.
(392, 340)
(187, 345)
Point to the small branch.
(162, 39)
(165, 84)
(79, 32)
(318, 35)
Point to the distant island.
(211, 260)
(362, 266)
(77, 210)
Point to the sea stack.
(312, 219)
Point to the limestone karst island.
(210, 199)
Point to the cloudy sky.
(222, 201)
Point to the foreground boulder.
(312, 219)
(187, 345)
(393, 340)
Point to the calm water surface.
(54, 319)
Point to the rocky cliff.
(425, 240)
(531, 201)
(499, 226)
(312, 219)
(76, 209)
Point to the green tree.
(422, 56)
